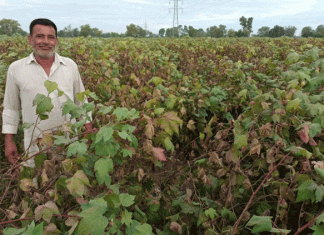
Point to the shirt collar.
(57, 60)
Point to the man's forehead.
(41, 29)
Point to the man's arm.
(11, 117)
(11, 151)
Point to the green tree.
(135, 31)
(217, 32)
(319, 32)
(95, 32)
(131, 30)
(141, 32)
(263, 31)
(240, 33)
(192, 31)
(10, 27)
(231, 33)
(290, 31)
(201, 33)
(85, 30)
(246, 23)
(307, 32)
(161, 32)
(277, 31)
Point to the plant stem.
(255, 192)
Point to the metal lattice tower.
(175, 15)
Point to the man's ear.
(29, 39)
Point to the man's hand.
(11, 151)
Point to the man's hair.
(42, 21)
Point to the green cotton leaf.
(318, 229)
(105, 133)
(61, 140)
(243, 93)
(43, 105)
(293, 105)
(37, 230)
(126, 152)
(59, 92)
(260, 224)
(128, 128)
(280, 231)
(126, 217)
(93, 222)
(27, 125)
(121, 113)
(156, 80)
(82, 95)
(319, 171)
(158, 111)
(102, 167)
(276, 118)
(77, 184)
(88, 107)
(292, 58)
(211, 212)
(93, 96)
(227, 214)
(299, 151)
(97, 206)
(77, 147)
(314, 129)
(319, 193)
(40, 159)
(144, 229)
(240, 141)
(168, 144)
(169, 122)
(320, 219)
(79, 124)
(50, 86)
(293, 84)
(123, 135)
(171, 101)
(105, 110)
(60, 184)
(112, 200)
(126, 200)
(107, 149)
(30, 230)
(70, 108)
(13, 231)
(306, 191)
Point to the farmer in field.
(25, 79)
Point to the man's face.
(43, 41)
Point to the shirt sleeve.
(11, 105)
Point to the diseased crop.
(193, 136)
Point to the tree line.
(11, 27)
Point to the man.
(25, 79)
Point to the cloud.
(138, 1)
(4, 3)
(33, 1)
(290, 8)
(216, 17)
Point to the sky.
(115, 15)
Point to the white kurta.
(25, 79)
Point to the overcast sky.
(115, 15)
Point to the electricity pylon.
(176, 15)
